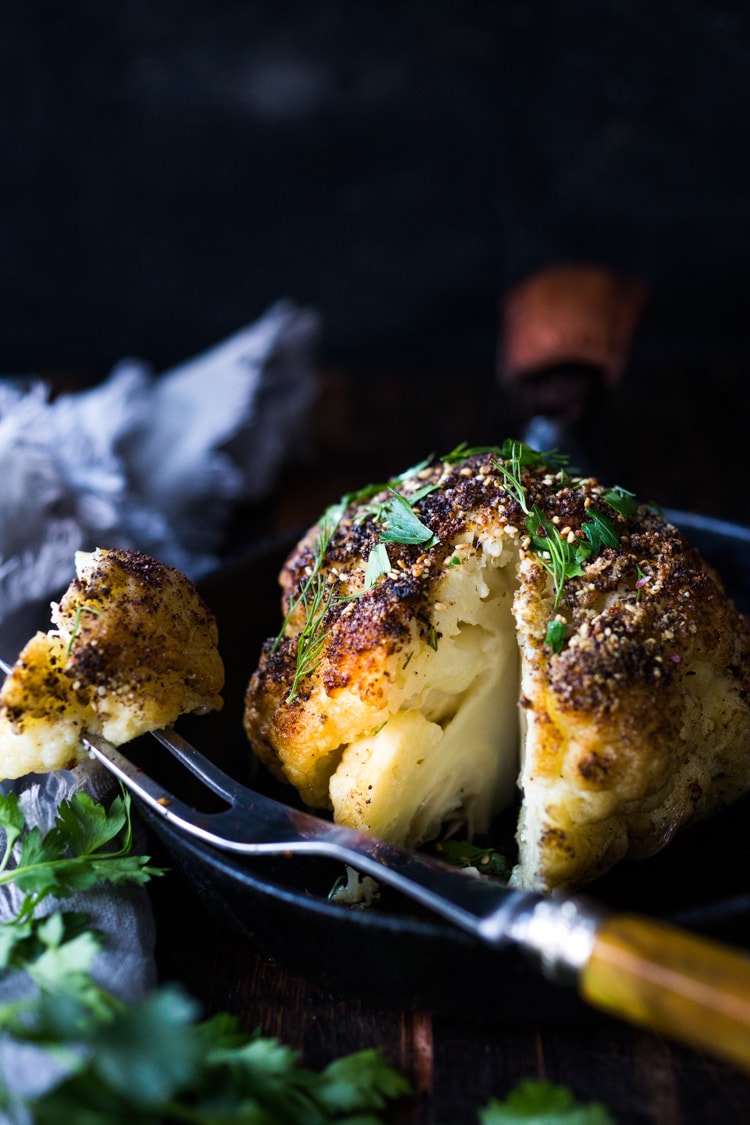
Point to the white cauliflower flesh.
(441, 758)
(133, 648)
(488, 624)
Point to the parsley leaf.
(358, 1083)
(13, 821)
(555, 635)
(542, 1103)
(63, 963)
(163, 1020)
(599, 532)
(72, 855)
(623, 502)
(402, 524)
(153, 1060)
(86, 826)
(378, 564)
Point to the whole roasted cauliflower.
(132, 648)
(488, 623)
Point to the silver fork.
(644, 971)
(255, 825)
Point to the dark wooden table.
(370, 424)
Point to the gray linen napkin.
(156, 463)
(146, 462)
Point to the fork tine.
(198, 764)
(137, 781)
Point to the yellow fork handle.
(661, 978)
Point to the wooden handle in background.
(661, 978)
(568, 315)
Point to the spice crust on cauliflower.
(487, 622)
(132, 648)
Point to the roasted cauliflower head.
(488, 623)
(132, 648)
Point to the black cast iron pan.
(391, 950)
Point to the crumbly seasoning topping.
(50, 699)
(470, 494)
(129, 581)
(465, 499)
(630, 615)
(653, 631)
(128, 587)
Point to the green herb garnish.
(400, 524)
(152, 1060)
(378, 564)
(623, 502)
(563, 557)
(485, 860)
(87, 844)
(543, 1103)
(80, 610)
(316, 599)
(599, 531)
(555, 635)
(314, 596)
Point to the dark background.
(168, 170)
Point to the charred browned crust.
(134, 647)
(133, 618)
(650, 637)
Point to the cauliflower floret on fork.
(133, 646)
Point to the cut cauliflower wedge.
(487, 624)
(441, 758)
(133, 648)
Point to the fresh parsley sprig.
(56, 951)
(152, 1060)
(114, 1063)
(543, 1102)
(88, 843)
